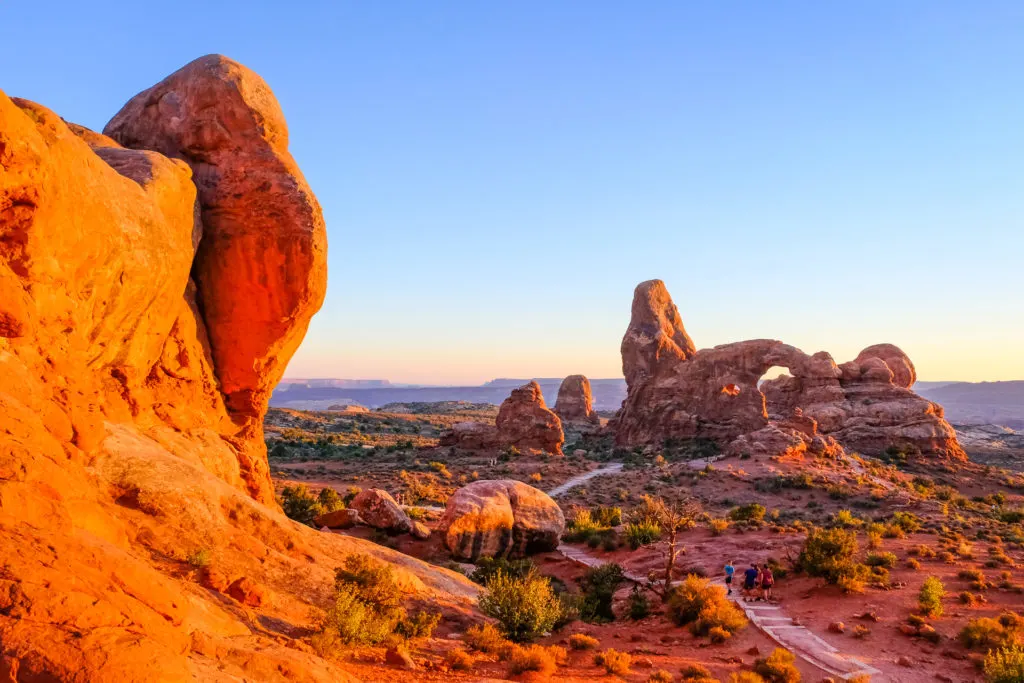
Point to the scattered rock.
(837, 627)
(246, 591)
(500, 518)
(399, 657)
(903, 660)
(420, 531)
(378, 509)
(754, 651)
(868, 616)
(214, 579)
(643, 663)
(908, 630)
(345, 518)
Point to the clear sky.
(498, 176)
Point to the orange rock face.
(575, 401)
(866, 405)
(130, 438)
(525, 422)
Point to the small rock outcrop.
(575, 402)
(674, 392)
(500, 518)
(525, 422)
(346, 518)
(378, 509)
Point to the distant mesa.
(674, 391)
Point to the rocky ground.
(399, 452)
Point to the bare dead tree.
(671, 518)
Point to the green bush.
(488, 567)
(367, 606)
(829, 553)
(881, 560)
(929, 600)
(778, 667)
(599, 585)
(639, 605)
(1005, 665)
(985, 634)
(751, 512)
(703, 606)
(642, 533)
(302, 506)
(525, 607)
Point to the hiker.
(767, 581)
(729, 571)
(749, 580)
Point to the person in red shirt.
(767, 581)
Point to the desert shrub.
(745, 677)
(459, 660)
(703, 606)
(525, 607)
(581, 641)
(639, 605)
(907, 521)
(488, 567)
(778, 667)
(199, 558)
(599, 585)
(970, 575)
(874, 540)
(660, 676)
(367, 606)
(929, 600)
(1005, 665)
(695, 672)
(718, 526)
(861, 631)
(608, 516)
(423, 488)
(880, 560)
(846, 520)
(299, 504)
(913, 563)
(641, 533)
(717, 634)
(923, 551)
(968, 598)
(829, 553)
(543, 660)
(329, 499)
(751, 512)
(987, 634)
(614, 662)
(486, 638)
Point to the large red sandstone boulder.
(500, 518)
(261, 263)
(717, 394)
(119, 454)
(471, 436)
(378, 509)
(575, 402)
(525, 422)
(346, 518)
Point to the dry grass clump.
(696, 673)
(614, 662)
(985, 634)
(778, 667)
(660, 676)
(543, 660)
(704, 607)
(488, 639)
(581, 641)
(459, 660)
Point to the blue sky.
(497, 177)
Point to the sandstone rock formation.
(131, 394)
(500, 518)
(346, 518)
(525, 422)
(866, 405)
(656, 338)
(575, 402)
(378, 509)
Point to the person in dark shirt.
(750, 579)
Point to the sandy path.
(611, 468)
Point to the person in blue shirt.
(729, 571)
(750, 578)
